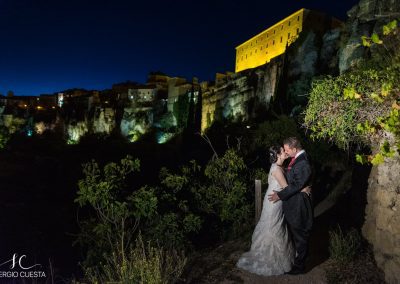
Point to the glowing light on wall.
(60, 99)
(270, 43)
(163, 137)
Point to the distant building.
(142, 94)
(273, 41)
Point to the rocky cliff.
(245, 94)
(382, 219)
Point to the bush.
(344, 247)
(114, 211)
(361, 106)
(143, 264)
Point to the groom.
(296, 205)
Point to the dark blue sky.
(52, 45)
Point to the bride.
(272, 252)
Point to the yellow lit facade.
(270, 43)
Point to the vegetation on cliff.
(362, 105)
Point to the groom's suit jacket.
(297, 205)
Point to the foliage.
(176, 218)
(181, 111)
(4, 137)
(298, 91)
(225, 193)
(361, 106)
(275, 131)
(143, 264)
(116, 210)
(344, 247)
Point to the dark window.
(289, 23)
(274, 31)
(288, 35)
(298, 18)
(282, 27)
(281, 39)
(273, 42)
(298, 30)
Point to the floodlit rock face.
(382, 221)
(136, 123)
(246, 94)
(366, 17)
(238, 98)
(76, 130)
(104, 122)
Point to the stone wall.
(382, 222)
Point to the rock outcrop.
(366, 17)
(382, 220)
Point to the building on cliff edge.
(273, 41)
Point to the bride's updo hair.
(273, 153)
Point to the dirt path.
(218, 266)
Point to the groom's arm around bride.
(296, 205)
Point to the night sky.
(52, 45)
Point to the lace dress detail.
(271, 251)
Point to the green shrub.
(114, 211)
(361, 106)
(275, 131)
(226, 190)
(144, 263)
(344, 247)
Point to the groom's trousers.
(300, 238)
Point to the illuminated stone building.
(142, 93)
(273, 41)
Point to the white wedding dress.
(271, 252)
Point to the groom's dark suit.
(297, 207)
